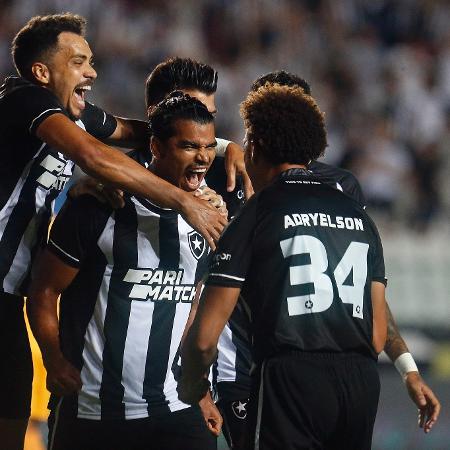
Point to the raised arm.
(111, 166)
(129, 133)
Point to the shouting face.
(184, 158)
(70, 72)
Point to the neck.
(272, 172)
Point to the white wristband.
(222, 145)
(405, 363)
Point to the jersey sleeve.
(98, 122)
(353, 188)
(76, 229)
(230, 263)
(378, 268)
(31, 105)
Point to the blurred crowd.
(379, 69)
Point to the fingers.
(231, 175)
(429, 415)
(214, 426)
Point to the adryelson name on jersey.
(322, 220)
(159, 285)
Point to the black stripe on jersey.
(17, 223)
(163, 318)
(118, 312)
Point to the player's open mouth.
(79, 94)
(194, 177)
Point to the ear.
(41, 73)
(156, 148)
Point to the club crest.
(197, 244)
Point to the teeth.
(198, 170)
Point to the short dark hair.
(39, 37)
(179, 73)
(284, 124)
(283, 78)
(177, 106)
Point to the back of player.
(315, 255)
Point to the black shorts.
(16, 365)
(183, 430)
(234, 414)
(314, 401)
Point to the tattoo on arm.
(395, 345)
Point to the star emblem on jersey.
(197, 244)
(239, 409)
(309, 304)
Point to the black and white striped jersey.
(31, 173)
(304, 255)
(232, 369)
(122, 318)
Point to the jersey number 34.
(354, 258)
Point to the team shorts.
(16, 366)
(309, 401)
(183, 430)
(234, 414)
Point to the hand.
(62, 377)
(192, 393)
(104, 194)
(204, 217)
(210, 195)
(428, 404)
(211, 414)
(234, 164)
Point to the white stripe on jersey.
(141, 316)
(91, 373)
(41, 114)
(15, 274)
(133, 372)
(226, 357)
(181, 317)
(226, 276)
(63, 251)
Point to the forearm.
(195, 360)
(395, 345)
(130, 133)
(43, 318)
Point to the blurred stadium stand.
(381, 72)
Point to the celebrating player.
(309, 263)
(45, 127)
(128, 280)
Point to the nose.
(90, 73)
(203, 155)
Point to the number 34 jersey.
(304, 255)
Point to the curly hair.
(176, 106)
(179, 73)
(39, 38)
(281, 77)
(284, 124)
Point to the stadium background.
(380, 70)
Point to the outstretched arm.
(427, 403)
(110, 166)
